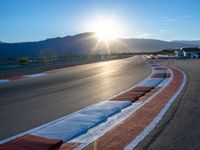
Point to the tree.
(24, 61)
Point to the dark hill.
(84, 43)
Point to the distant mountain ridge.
(85, 43)
(193, 42)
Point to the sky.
(33, 20)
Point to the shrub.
(24, 61)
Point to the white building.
(178, 53)
(190, 52)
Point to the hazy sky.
(32, 20)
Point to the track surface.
(28, 103)
(182, 121)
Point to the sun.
(106, 29)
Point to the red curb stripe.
(128, 97)
(32, 142)
(16, 78)
(69, 146)
(133, 95)
(142, 89)
(132, 99)
(159, 68)
(137, 93)
(159, 75)
(148, 95)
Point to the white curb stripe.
(4, 81)
(35, 75)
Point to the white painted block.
(4, 81)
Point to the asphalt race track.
(28, 103)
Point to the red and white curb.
(82, 128)
(131, 131)
(151, 126)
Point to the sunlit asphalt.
(28, 103)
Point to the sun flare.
(106, 29)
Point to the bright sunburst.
(106, 29)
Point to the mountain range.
(193, 42)
(85, 43)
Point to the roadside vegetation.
(25, 60)
(11, 67)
